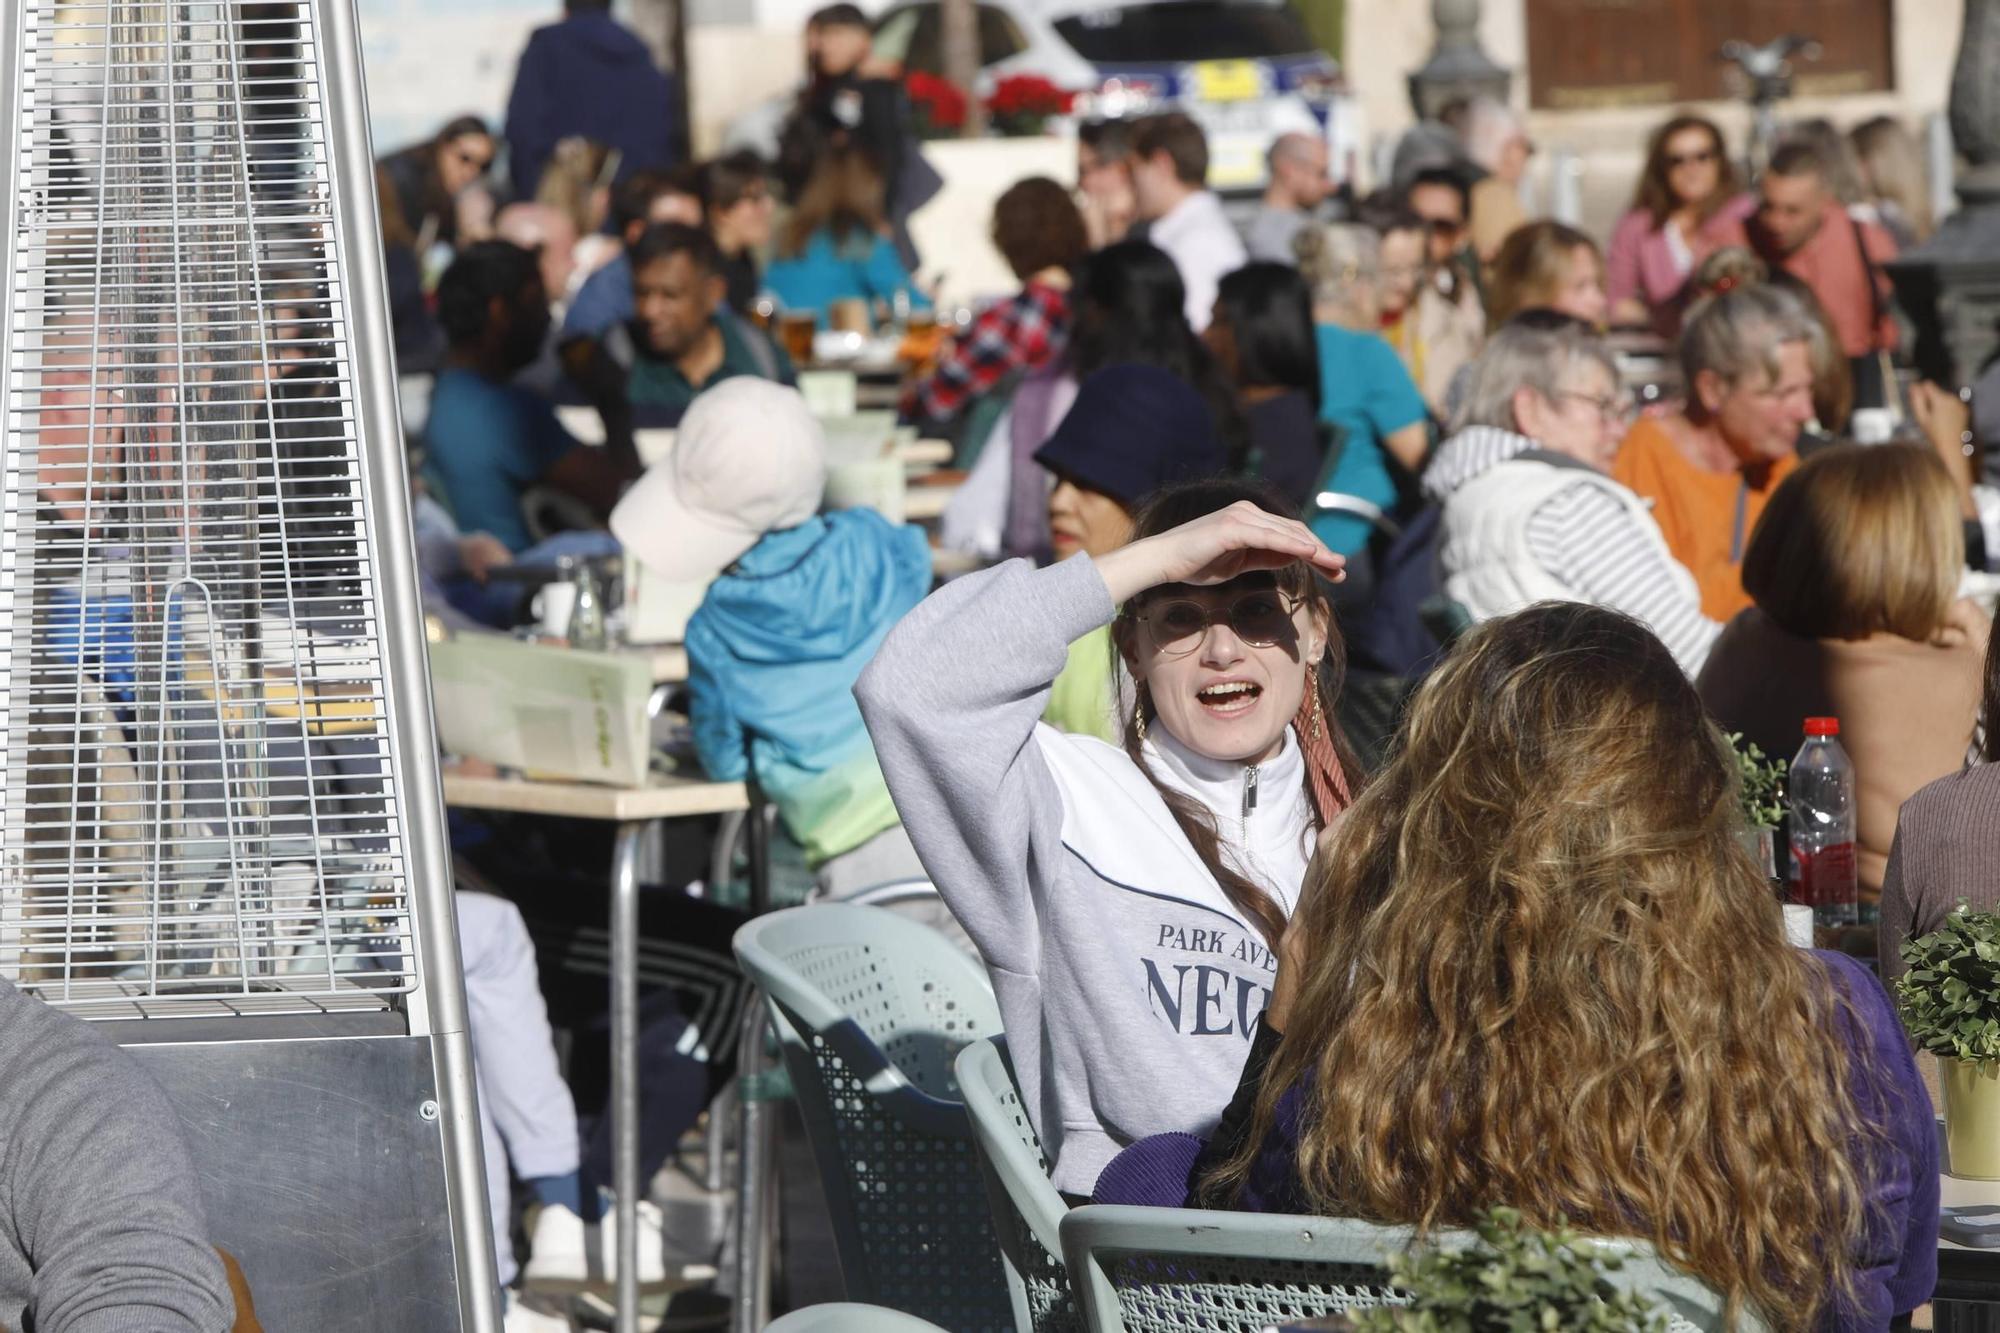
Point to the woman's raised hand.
(1214, 549)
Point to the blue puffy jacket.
(588, 75)
(773, 654)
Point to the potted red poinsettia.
(1023, 104)
(936, 104)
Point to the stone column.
(1950, 286)
(1458, 67)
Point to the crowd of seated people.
(1212, 463)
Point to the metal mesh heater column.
(220, 828)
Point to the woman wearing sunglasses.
(1128, 899)
(1530, 514)
(1688, 178)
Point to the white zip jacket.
(1523, 524)
(1129, 984)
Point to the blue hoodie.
(588, 75)
(773, 654)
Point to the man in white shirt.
(1169, 175)
(1300, 183)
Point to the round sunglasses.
(1260, 619)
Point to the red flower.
(938, 101)
(1028, 96)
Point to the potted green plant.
(1762, 786)
(1950, 998)
(1516, 1279)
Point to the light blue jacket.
(773, 654)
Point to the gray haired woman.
(1529, 512)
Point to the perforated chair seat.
(870, 1010)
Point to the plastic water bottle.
(1821, 795)
(586, 616)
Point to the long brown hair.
(843, 195)
(1543, 972)
(1332, 772)
(1656, 196)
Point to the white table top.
(669, 661)
(921, 502)
(665, 797)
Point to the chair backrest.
(870, 1010)
(1027, 1209)
(890, 893)
(1164, 1270)
(841, 1317)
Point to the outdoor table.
(1965, 1272)
(632, 810)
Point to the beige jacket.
(1906, 712)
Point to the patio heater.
(221, 835)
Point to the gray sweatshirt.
(100, 1220)
(1128, 983)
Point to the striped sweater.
(1524, 524)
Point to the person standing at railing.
(1182, 216)
(1658, 244)
(1798, 224)
(1300, 183)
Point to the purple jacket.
(1898, 1259)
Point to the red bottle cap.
(1822, 726)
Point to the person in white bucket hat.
(799, 603)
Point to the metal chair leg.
(756, 1164)
(715, 1144)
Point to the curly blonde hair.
(1544, 973)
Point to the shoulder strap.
(1871, 272)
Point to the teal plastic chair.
(1027, 1210)
(870, 1009)
(841, 1317)
(1169, 1270)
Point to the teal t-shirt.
(659, 388)
(866, 267)
(1364, 390)
(485, 445)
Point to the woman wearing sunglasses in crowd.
(1128, 899)
(428, 180)
(1688, 178)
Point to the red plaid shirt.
(1024, 332)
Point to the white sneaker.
(524, 1319)
(568, 1254)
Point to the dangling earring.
(1139, 714)
(1312, 686)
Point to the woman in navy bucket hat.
(1132, 430)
